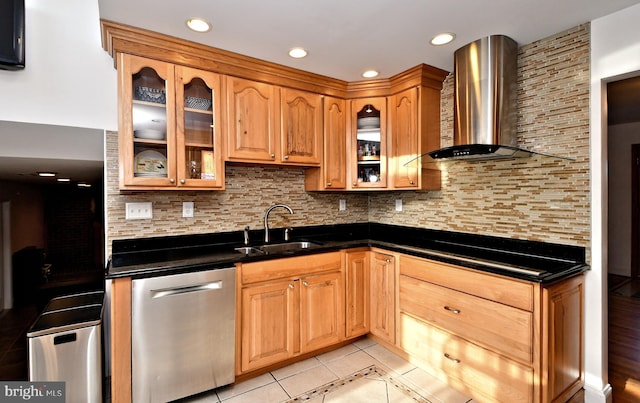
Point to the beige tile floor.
(292, 381)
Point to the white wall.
(615, 54)
(620, 139)
(69, 80)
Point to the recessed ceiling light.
(370, 74)
(198, 25)
(297, 53)
(442, 39)
(63, 180)
(46, 174)
(84, 185)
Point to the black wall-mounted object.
(12, 34)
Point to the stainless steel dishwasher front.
(183, 334)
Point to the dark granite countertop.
(529, 260)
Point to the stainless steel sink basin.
(249, 250)
(286, 247)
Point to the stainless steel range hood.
(485, 101)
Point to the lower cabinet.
(290, 307)
(494, 338)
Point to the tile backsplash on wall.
(540, 198)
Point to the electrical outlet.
(343, 205)
(398, 204)
(138, 211)
(187, 209)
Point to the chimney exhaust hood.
(485, 101)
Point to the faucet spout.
(266, 219)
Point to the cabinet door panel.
(199, 141)
(383, 296)
(146, 122)
(268, 324)
(404, 139)
(368, 143)
(357, 286)
(252, 120)
(321, 311)
(335, 144)
(301, 127)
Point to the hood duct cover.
(485, 101)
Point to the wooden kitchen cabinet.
(357, 293)
(290, 307)
(301, 134)
(413, 131)
(368, 143)
(268, 323)
(383, 296)
(332, 174)
(253, 121)
(494, 338)
(169, 116)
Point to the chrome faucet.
(266, 219)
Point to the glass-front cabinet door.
(169, 126)
(199, 147)
(147, 123)
(368, 143)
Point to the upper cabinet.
(301, 134)
(253, 121)
(186, 109)
(332, 174)
(368, 150)
(168, 126)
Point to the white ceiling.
(346, 37)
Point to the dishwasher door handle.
(166, 292)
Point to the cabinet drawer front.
(512, 292)
(499, 327)
(290, 267)
(484, 375)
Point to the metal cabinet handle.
(328, 184)
(388, 260)
(273, 155)
(412, 183)
(182, 181)
(286, 157)
(355, 184)
(305, 284)
(291, 286)
(172, 180)
(453, 310)
(448, 357)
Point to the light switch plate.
(138, 211)
(187, 209)
(398, 204)
(342, 205)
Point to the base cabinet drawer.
(480, 373)
(501, 328)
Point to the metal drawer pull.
(453, 310)
(291, 286)
(305, 284)
(448, 357)
(165, 292)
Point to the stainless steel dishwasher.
(183, 334)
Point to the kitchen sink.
(249, 250)
(287, 247)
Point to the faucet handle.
(287, 233)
